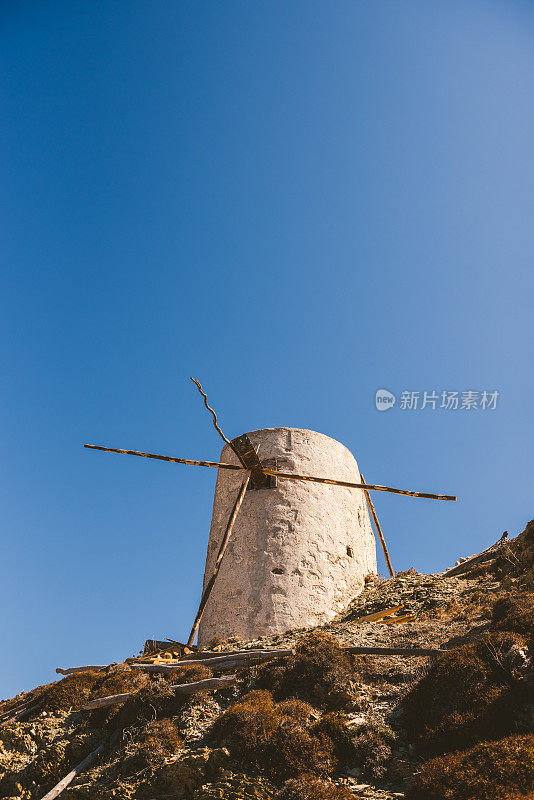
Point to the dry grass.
(502, 770)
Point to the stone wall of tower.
(299, 552)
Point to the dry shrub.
(13, 703)
(479, 602)
(158, 740)
(372, 743)
(179, 777)
(502, 770)
(294, 750)
(73, 691)
(188, 674)
(119, 681)
(466, 695)
(70, 692)
(280, 739)
(515, 613)
(308, 787)
(333, 727)
(153, 701)
(247, 726)
(319, 671)
(152, 693)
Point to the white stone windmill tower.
(300, 547)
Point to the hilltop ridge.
(307, 719)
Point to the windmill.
(262, 474)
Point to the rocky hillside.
(311, 719)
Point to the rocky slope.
(320, 723)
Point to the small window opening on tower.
(350, 552)
(278, 571)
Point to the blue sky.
(298, 203)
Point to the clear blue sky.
(298, 203)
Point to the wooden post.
(378, 528)
(207, 685)
(405, 652)
(190, 461)
(209, 586)
(58, 788)
(268, 471)
(374, 487)
(480, 558)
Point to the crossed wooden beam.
(262, 475)
(292, 476)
